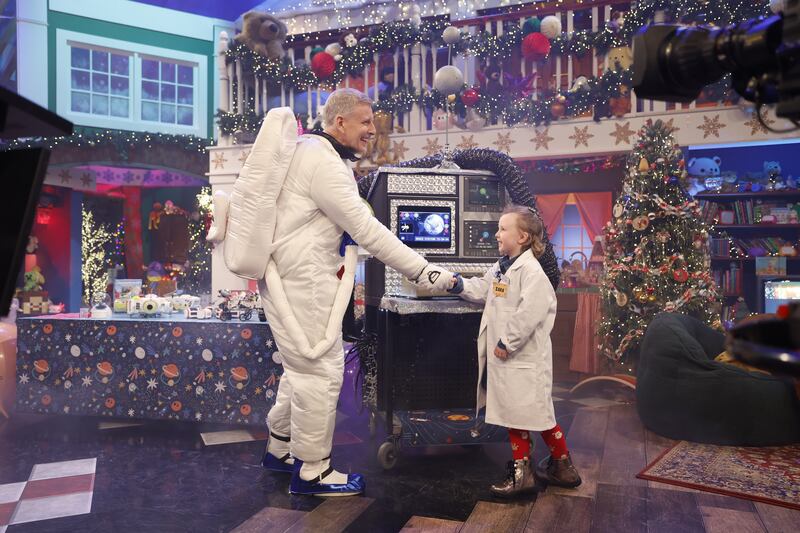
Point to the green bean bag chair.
(684, 394)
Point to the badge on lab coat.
(500, 289)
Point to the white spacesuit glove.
(435, 278)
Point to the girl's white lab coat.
(519, 389)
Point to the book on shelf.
(749, 212)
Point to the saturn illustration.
(240, 377)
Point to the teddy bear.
(621, 55)
(700, 169)
(772, 173)
(263, 34)
(155, 216)
(33, 279)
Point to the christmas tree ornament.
(621, 299)
(451, 35)
(640, 223)
(470, 97)
(558, 108)
(644, 165)
(681, 275)
(448, 80)
(618, 210)
(662, 237)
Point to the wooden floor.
(610, 446)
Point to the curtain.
(132, 210)
(595, 210)
(551, 207)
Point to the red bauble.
(470, 97)
(535, 46)
(323, 64)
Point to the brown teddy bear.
(263, 33)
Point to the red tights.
(554, 438)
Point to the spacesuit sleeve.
(536, 299)
(477, 289)
(336, 194)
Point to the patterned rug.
(770, 475)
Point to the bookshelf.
(769, 220)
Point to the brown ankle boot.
(519, 479)
(559, 472)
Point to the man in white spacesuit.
(319, 201)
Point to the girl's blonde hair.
(528, 222)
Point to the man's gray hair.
(342, 102)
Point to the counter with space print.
(155, 368)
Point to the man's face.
(356, 129)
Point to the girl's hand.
(500, 353)
(453, 281)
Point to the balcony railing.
(401, 79)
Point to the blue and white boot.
(277, 457)
(327, 483)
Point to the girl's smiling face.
(510, 238)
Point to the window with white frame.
(570, 239)
(126, 85)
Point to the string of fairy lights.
(95, 237)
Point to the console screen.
(424, 227)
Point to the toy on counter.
(149, 306)
(101, 306)
(199, 313)
(238, 305)
(703, 174)
(181, 302)
(124, 290)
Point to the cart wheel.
(247, 315)
(387, 455)
(372, 425)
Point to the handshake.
(435, 278)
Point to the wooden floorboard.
(672, 510)
(556, 512)
(270, 519)
(587, 462)
(431, 525)
(332, 515)
(719, 520)
(709, 499)
(654, 446)
(620, 508)
(778, 519)
(624, 448)
(492, 517)
(588, 430)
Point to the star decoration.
(131, 412)
(24, 379)
(67, 337)
(504, 142)
(65, 176)
(399, 149)
(467, 143)
(219, 386)
(670, 126)
(198, 416)
(243, 156)
(542, 139)
(432, 146)
(756, 126)
(86, 381)
(622, 133)
(151, 384)
(269, 343)
(711, 126)
(86, 179)
(581, 136)
(219, 160)
(199, 340)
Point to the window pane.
(149, 111)
(168, 113)
(185, 117)
(572, 237)
(185, 75)
(119, 86)
(119, 107)
(80, 102)
(571, 214)
(119, 64)
(80, 80)
(150, 90)
(185, 95)
(167, 92)
(149, 69)
(99, 61)
(168, 72)
(99, 104)
(80, 57)
(100, 83)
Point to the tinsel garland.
(506, 170)
(122, 140)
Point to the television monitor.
(425, 226)
(774, 291)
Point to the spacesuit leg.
(277, 456)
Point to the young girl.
(515, 353)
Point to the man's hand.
(436, 278)
(500, 353)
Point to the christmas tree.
(657, 257)
(197, 277)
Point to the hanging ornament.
(531, 25)
(698, 241)
(662, 237)
(640, 223)
(451, 35)
(558, 108)
(618, 210)
(551, 27)
(448, 80)
(323, 65)
(621, 299)
(535, 47)
(681, 275)
(651, 298)
(470, 97)
(644, 165)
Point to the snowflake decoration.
(542, 139)
(504, 142)
(622, 133)
(711, 126)
(131, 412)
(581, 136)
(399, 149)
(269, 343)
(432, 146)
(467, 143)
